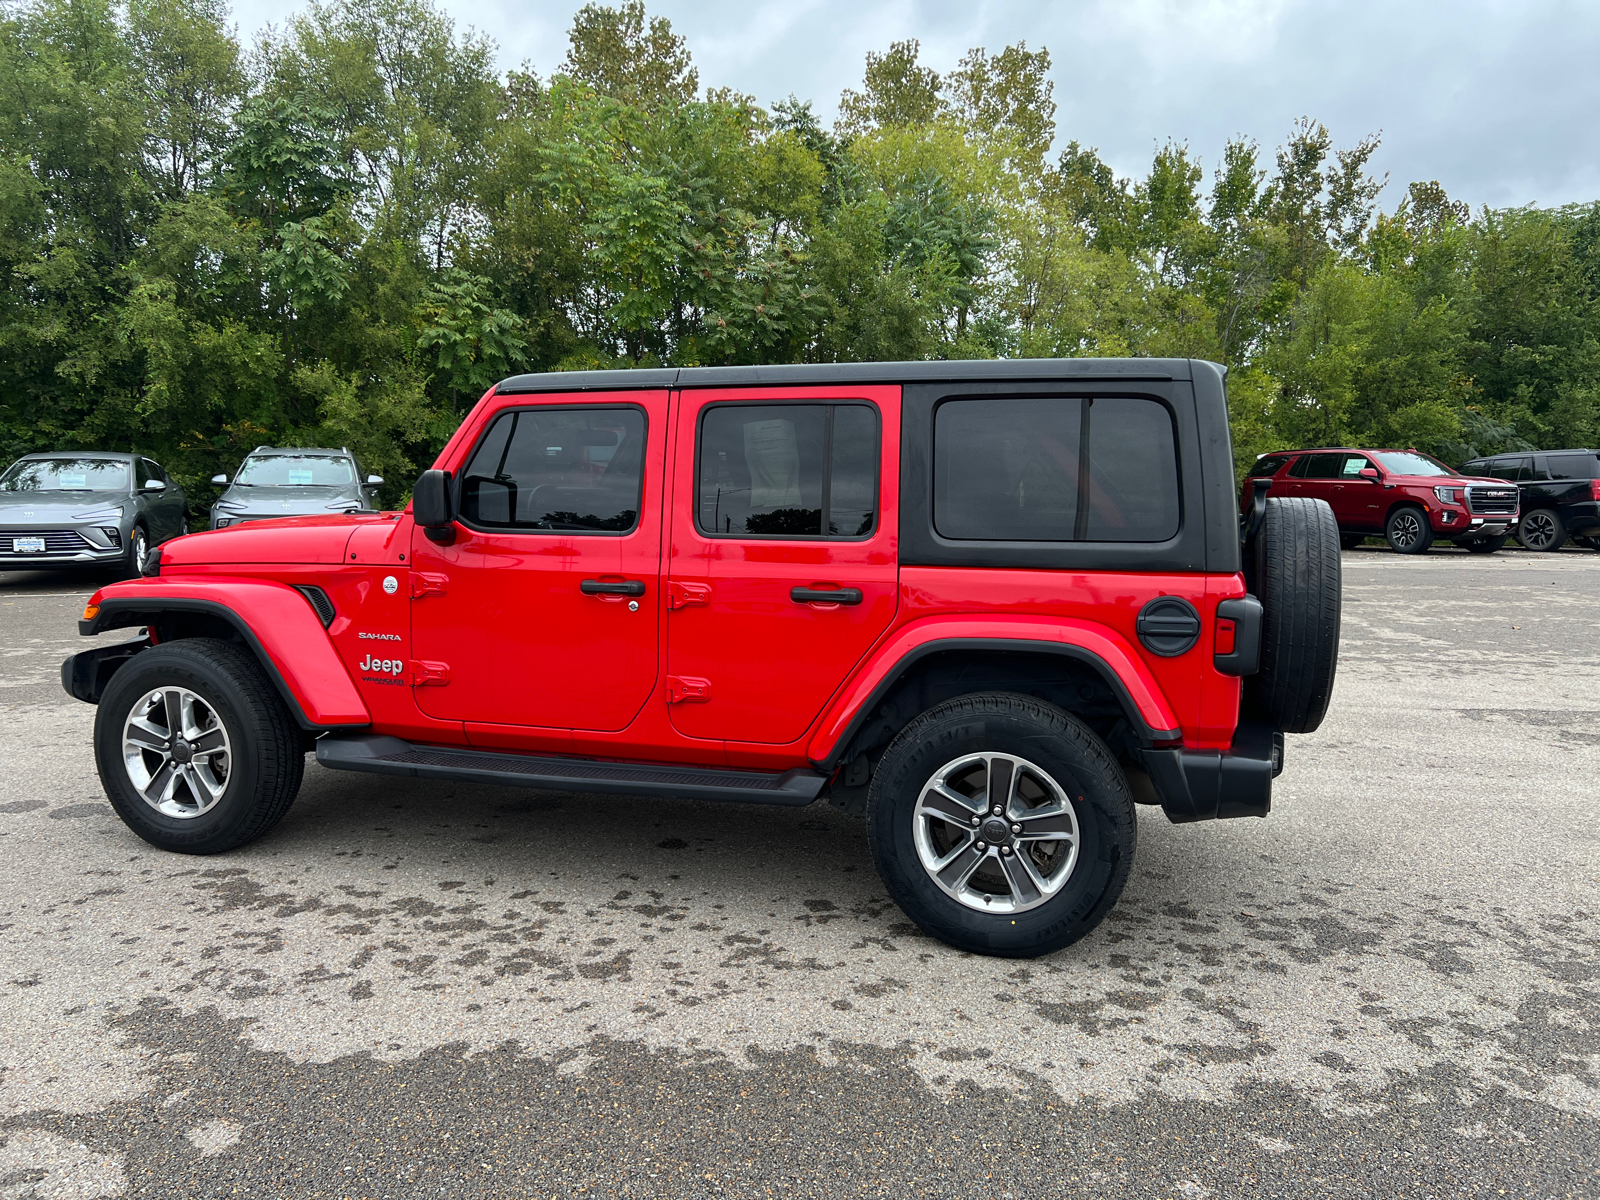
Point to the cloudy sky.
(1497, 99)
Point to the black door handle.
(595, 587)
(805, 595)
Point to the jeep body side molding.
(1088, 642)
(274, 620)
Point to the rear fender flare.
(1093, 645)
(274, 620)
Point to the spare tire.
(1297, 580)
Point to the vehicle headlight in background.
(1448, 495)
(221, 522)
(100, 514)
(345, 506)
(113, 534)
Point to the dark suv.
(990, 606)
(1560, 494)
(1404, 496)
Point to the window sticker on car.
(73, 482)
(300, 478)
(772, 452)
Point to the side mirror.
(1369, 472)
(220, 480)
(375, 480)
(154, 485)
(430, 506)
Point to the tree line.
(345, 232)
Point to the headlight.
(99, 514)
(1448, 495)
(221, 522)
(344, 506)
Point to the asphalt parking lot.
(1389, 987)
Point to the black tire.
(1047, 740)
(1300, 585)
(1407, 530)
(1349, 541)
(1542, 529)
(1488, 545)
(264, 763)
(138, 547)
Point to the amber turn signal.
(91, 611)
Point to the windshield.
(66, 475)
(1408, 462)
(296, 470)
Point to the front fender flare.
(273, 619)
(1096, 646)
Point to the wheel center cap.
(995, 830)
(182, 752)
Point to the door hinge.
(425, 673)
(685, 689)
(682, 595)
(424, 583)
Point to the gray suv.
(276, 482)
(82, 508)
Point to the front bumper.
(66, 545)
(1456, 523)
(1205, 785)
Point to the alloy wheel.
(176, 751)
(1538, 530)
(996, 832)
(1405, 530)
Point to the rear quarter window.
(1269, 465)
(1056, 469)
(1574, 466)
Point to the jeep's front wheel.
(1001, 825)
(195, 750)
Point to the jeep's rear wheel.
(1001, 825)
(195, 749)
(1299, 582)
(1408, 531)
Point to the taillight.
(1594, 489)
(1227, 634)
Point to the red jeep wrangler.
(1403, 496)
(989, 605)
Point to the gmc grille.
(56, 541)
(1492, 500)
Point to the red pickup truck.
(990, 606)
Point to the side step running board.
(391, 756)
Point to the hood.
(1448, 481)
(318, 539)
(46, 507)
(284, 501)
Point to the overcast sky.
(1497, 99)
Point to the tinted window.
(1324, 466)
(1476, 467)
(1574, 466)
(1014, 470)
(144, 472)
(1511, 468)
(296, 470)
(66, 475)
(1267, 466)
(576, 470)
(788, 470)
(1298, 471)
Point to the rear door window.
(1325, 466)
(1055, 469)
(787, 470)
(570, 470)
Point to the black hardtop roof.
(1034, 369)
